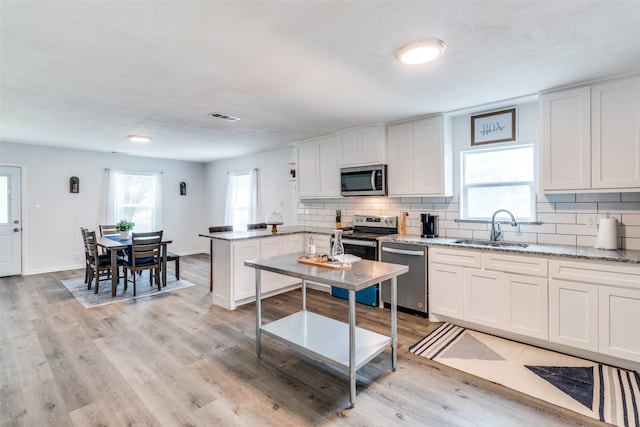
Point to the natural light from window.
(136, 198)
(497, 178)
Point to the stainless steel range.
(363, 242)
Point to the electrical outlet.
(591, 221)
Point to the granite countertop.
(581, 252)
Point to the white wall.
(51, 233)
(276, 191)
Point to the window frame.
(464, 188)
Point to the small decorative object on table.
(124, 227)
(274, 219)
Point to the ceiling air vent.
(224, 117)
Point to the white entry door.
(10, 221)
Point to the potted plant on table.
(124, 227)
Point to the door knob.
(15, 230)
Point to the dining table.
(113, 244)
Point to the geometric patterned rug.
(600, 391)
(89, 299)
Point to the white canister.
(607, 234)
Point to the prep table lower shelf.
(326, 338)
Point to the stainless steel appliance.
(364, 181)
(429, 225)
(363, 242)
(412, 286)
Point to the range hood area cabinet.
(590, 137)
(320, 159)
(419, 157)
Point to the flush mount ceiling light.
(139, 138)
(420, 51)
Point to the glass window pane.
(484, 201)
(504, 165)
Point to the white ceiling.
(85, 74)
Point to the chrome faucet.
(496, 233)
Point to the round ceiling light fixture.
(420, 51)
(140, 139)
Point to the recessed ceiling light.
(139, 138)
(420, 51)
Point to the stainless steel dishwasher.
(412, 286)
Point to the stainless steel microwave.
(364, 181)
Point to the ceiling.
(85, 74)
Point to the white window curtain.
(136, 197)
(241, 207)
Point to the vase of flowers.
(124, 227)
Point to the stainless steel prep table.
(335, 342)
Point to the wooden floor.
(177, 360)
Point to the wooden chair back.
(146, 249)
(220, 228)
(256, 226)
(108, 230)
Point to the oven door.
(365, 249)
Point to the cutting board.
(325, 264)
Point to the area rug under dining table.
(89, 299)
(600, 391)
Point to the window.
(497, 178)
(241, 199)
(135, 196)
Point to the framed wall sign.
(498, 126)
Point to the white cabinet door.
(446, 290)
(528, 309)
(318, 168)
(269, 247)
(573, 314)
(419, 158)
(485, 298)
(615, 133)
(328, 167)
(565, 139)
(244, 278)
(362, 146)
(619, 311)
(308, 169)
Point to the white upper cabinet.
(615, 134)
(362, 146)
(318, 168)
(566, 139)
(419, 157)
(590, 137)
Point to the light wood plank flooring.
(177, 360)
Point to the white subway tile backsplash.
(563, 217)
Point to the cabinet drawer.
(515, 264)
(619, 274)
(456, 257)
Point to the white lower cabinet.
(619, 312)
(234, 283)
(573, 314)
(501, 291)
(596, 306)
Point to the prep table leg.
(258, 312)
(210, 265)
(304, 295)
(352, 347)
(394, 322)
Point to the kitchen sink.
(500, 243)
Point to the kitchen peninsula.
(232, 282)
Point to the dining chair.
(256, 226)
(215, 229)
(145, 254)
(99, 265)
(109, 230)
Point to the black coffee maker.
(429, 225)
